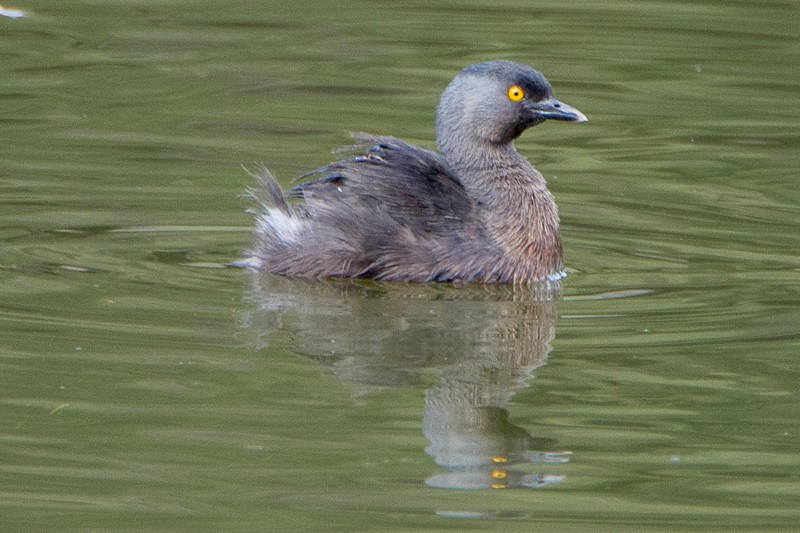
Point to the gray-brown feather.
(396, 212)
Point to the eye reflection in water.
(484, 341)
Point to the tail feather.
(269, 195)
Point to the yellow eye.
(515, 93)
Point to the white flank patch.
(286, 227)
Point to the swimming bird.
(476, 211)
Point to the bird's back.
(395, 212)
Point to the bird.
(475, 211)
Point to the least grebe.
(477, 211)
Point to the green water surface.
(145, 385)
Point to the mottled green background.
(145, 386)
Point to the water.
(146, 386)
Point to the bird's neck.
(518, 210)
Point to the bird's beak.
(554, 110)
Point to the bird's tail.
(269, 194)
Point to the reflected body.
(477, 211)
(483, 343)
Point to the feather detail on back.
(395, 212)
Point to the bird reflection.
(484, 341)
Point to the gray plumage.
(477, 211)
